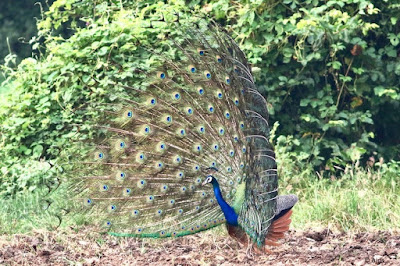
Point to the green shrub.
(330, 70)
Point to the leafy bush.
(17, 23)
(330, 70)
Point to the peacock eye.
(161, 75)
(189, 111)
(207, 74)
(200, 90)
(192, 68)
(152, 101)
(182, 132)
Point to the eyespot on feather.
(221, 131)
(104, 188)
(219, 94)
(161, 75)
(121, 144)
(195, 168)
(181, 132)
(151, 101)
(120, 176)
(161, 147)
(201, 129)
(200, 90)
(145, 130)
(88, 202)
(150, 199)
(197, 148)
(177, 159)
(210, 109)
(189, 110)
(180, 175)
(141, 183)
(164, 188)
(126, 192)
(128, 114)
(140, 157)
(192, 68)
(176, 96)
(166, 119)
(227, 114)
(135, 213)
(171, 202)
(215, 147)
(99, 156)
(159, 166)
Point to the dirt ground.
(209, 248)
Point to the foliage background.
(330, 71)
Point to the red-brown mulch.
(299, 248)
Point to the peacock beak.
(204, 182)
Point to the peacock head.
(209, 179)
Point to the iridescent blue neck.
(230, 215)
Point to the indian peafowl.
(182, 144)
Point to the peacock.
(182, 144)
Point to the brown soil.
(210, 248)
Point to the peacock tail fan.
(178, 105)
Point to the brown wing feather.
(278, 229)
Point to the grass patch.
(360, 200)
(24, 213)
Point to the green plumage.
(184, 107)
